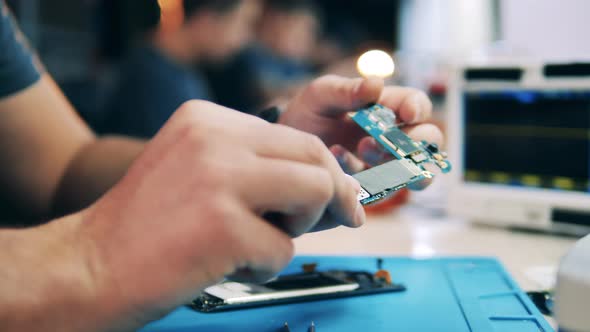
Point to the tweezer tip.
(311, 327)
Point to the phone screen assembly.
(300, 287)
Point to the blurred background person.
(159, 74)
(287, 36)
(278, 62)
(85, 47)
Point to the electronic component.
(384, 276)
(309, 268)
(505, 137)
(380, 181)
(403, 144)
(384, 118)
(410, 156)
(306, 286)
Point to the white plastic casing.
(572, 292)
(504, 205)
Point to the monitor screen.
(532, 139)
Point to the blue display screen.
(528, 138)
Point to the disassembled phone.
(408, 168)
(377, 183)
(307, 286)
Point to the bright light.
(376, 63)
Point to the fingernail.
(359, 100)
(342, 159)
(359, 215)
(371, 157)
(374, 158)
(357, 85)
(419, 113)
(355, 184)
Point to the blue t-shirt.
(275, 71)
(151, 87)
(19, 68)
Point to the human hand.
(190, 210)
(322, 107)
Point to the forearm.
(52, 162)
(93, 171)
(55, 278)
(45, 283)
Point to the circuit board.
(410, 156)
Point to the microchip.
(385, 118)
(390, 176)
(402, 141)
(419, 157)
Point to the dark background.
(101, 29)
(531, 131)
(81, 41)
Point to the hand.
(321, 109)
(190, 210)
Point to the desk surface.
(454, 295)
(531, 258)
(425, 232)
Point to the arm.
(39, 289)
(178, 221)
(187, 210)
(50, 159)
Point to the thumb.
(334, 95)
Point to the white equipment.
(572, 292)
(520, 146)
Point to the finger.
(372, 152)
(262, 250)
(305, 148)
(328, 222)
(425, 132)
(335, 96)
(429, 133)
(349, 163)
(411, 105)
(299, 192)
(200, 115)
(420, 185)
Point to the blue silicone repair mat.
(443, 294)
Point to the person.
(287, 35)
(159, 75)
(154, 223)
(278, 63)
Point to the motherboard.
(409, 156)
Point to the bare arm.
(188, 210)
(177, 222)
(44, 278)
(51, 161)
